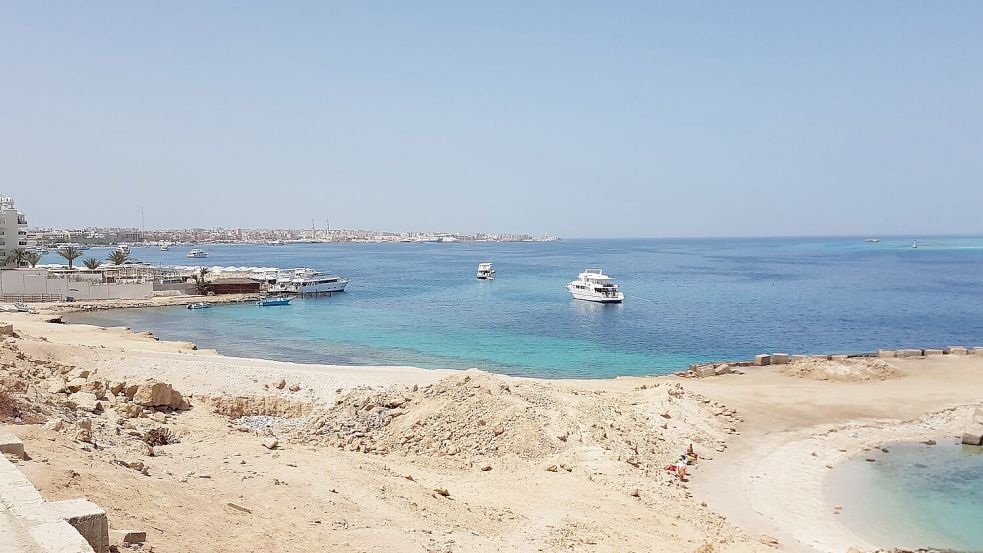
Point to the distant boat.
(914, 244)
(123, 248)
(485, 271)
(594, 285)
(199, 305)
(197, 253)
(165, 247)
(872, 240)
(306, 282)
(279, 300)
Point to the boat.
(485, 271)
(165, 247)
(278, 300)
(123, 248)
(594, 285)
(914, 244)
(872, 240)
(199, 305)
(306, 281)
(197, 253)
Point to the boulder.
(86, 401)
(81, 429)
(96, 387)
(116, 387)
(722, 369)
(176, 399)
(153, 394)
(973, 435)
(129, 410)
(75, 384)
(56, 388)
(12, 445)
(280, 384)
(270, 443)
(55, 424)
(131, 391)
(704, 371)
(294, 387)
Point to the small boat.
(914, 244)
(872, 240)
(165, 247)
(485, 271)
(276, 300)
(199, 305)
(197, 253)
(594, 285)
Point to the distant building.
(13, 230)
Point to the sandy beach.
(399, 458)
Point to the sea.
(913, 496)
(686, 301)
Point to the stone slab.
(909, 353)
(973, 435)
(779, 359)
(958, 350)
(886, 353)
(11, 445)
(128, 536)
(933, 352)
(762, 360)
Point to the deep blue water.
(914, 496)
(687, 300)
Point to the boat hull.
(597, 298)
(313, 289)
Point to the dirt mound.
(858, 369)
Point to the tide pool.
(687, 300)
(914, 496)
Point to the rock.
(80, 373)
(703, 371)
(85, 401)
(498, 430)
(779, 359)
(56, 388)
(75, 384)
(238, 508)
(978, 416)
(159, 417)
(635, 493)
(442, 492)
(116, 387)
(176, 399)
(12, 445)
(762, 360)
(55, 424)
(129, 410)
(294, 387)
(95, 387)
(128, 536)
(153, 394)
(486, 468)
(280, 384)
(887, 353)
(552, 468)
(271, 443)
(131, 391)
(770, 541)
(135, 465)
(974, 435)
(81, 430)
(722, 369)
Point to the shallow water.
(913, 496)
(686, 301)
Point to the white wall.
(36, 281)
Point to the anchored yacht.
(197, 253)
(307, 282)
(594, 285)
(485, 271)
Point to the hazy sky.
(579, 119)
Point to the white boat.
(199, 305)
(872, 240)
(165, 247)
(594, 285)
(485, 271)
(306, 282)
(914, 244)
(197, 253)
(123, 248)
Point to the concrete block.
(128, 536)
(958, 350)
(821, 357)
(839, 357)
(11, 445)
(974, 435)
(6, 329)
(779, 359)
(762, 360)
(86, 517)
(886, 353)
(978, 350)
(932, 352)
(909, 353)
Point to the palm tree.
(16, 257)
(202, 286)
(71, 253)
(33, 258)
(118, 257)
(92, 263)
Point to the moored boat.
(307, 282)
(486, 271)
(197, 253)
(199, 305)
(278, 300)
(594, 285)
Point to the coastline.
(765, 477)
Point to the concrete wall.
(36, 281)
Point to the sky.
(581, 119)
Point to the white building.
(13, 229)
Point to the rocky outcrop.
(245, 406)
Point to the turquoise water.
(914, 496)
(686, 301)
